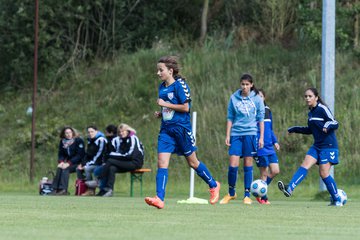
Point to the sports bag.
(80, 187)
(45, 184)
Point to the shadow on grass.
(324, 196)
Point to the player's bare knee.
(324, 174)
(276, 172)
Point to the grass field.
(28, 216)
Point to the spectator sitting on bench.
(110, 133)
(96, 147)
(71, 152)
(127, 154)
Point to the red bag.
(80, 187)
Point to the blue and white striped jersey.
(320, 117)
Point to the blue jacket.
(320, 117)
(245, 113)
(269, 135)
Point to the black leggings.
(114, 166)
(61, 180)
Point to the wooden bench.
(137, 175)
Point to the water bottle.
(43, 181)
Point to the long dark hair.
(62, 132)
(171, 62)
(260, 90)
(316, 93)
(248, 77)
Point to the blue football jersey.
(176, 93)
(269, 135)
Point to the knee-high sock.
(161, 181)
(297, 178)
(268, 180)
(331, 187)
(248, 178)
(205, 174)
(232, 177)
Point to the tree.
(204, 21)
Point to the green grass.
(29, 216)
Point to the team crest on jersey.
(171, 95)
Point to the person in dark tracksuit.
(95, 151)
(71, 152)
(127, 154)
(325, 150)
(110, 133)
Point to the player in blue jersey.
(324, 152)
(176, 133)
(266, 159)
(245, 112)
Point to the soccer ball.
(343, 196)
(258, 188)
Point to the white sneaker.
(336, 204)
(109, 193)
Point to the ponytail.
(316, 93)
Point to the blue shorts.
(243, 146)
(177, 140)
(265, 161)
(323, 156)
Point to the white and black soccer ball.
(258, 188)
(343, 196)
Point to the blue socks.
(161, 181)
(248, 178)
(297, 178)
(268, 180)
(162, 178)
(232, 177)
(205, 174)
(331, 187)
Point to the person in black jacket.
(71, 152)
(127, 154)
(95, 150)
(110, 133)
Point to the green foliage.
(71, 31)
(97, 66)
(309, 22)
(16, 41)
(125, 90)
(276, 19)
